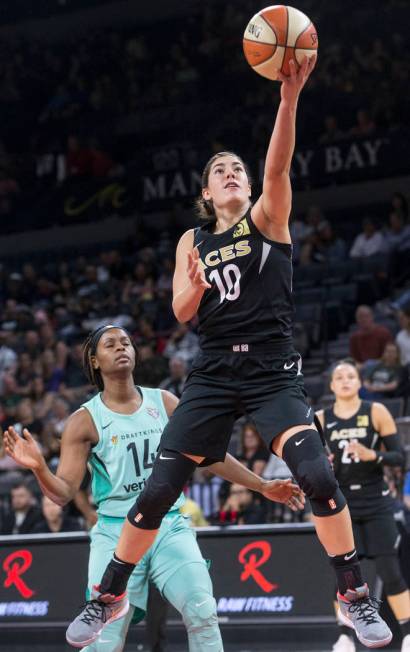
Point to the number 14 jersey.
(250, 301)
(122, 460)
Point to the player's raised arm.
(273, 207)
(75, 447)
(189, 279)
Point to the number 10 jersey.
(250, 301)
(122, 460)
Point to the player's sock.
(405, 627)
(116, 576)
(348, 571)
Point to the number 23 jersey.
(250, 300)
(122, 460)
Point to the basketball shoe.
(98, 612)
(360, 612)
(344, 644)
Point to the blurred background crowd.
(95, 107)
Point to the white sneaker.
(345, 644)
(405, 644)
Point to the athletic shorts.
(174, 547)
(266, 387)
(376, 535)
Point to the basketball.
(274, 36)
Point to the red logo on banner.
(251, 562)
(15, 565)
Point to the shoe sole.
(364, 641)
(117, 616)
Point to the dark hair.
(89, 350)
(204, 207)
(349, 361)
(248, 425)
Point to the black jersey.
(352, 474)
(250, 301)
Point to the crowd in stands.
(83, 93)
(48, 308)
(86, 95)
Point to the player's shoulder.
(170, 401)
(187, 238)
(379, 413)
(80, 424)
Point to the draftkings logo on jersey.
(241, 229)
(362, 420)
(114, 440)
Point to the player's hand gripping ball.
(277, 35)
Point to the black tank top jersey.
(354, 475)
(250, 301)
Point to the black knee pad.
(170, 473)
(389, 571)
(306, 458)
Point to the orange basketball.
(274, 36)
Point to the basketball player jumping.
(118, 432)
(355, 431)
(235, 272)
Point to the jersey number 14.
(146, 464)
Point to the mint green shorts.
(174, 547)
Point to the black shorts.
(266, 387)
(376, 535)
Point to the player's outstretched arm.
(274, 205)
(281, 491)
(189, 279)
(75, 447)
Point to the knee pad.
(199, 611)
(306, 458)
(170, 473)
(389, 571)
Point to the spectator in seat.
(55, 519)
(183, 343)
(369, 340)
(369, 242)
(24, 514)
(387, 376)
(177, 376)
(403, 336)
(253, 452)
(239, 508)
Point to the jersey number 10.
(231, 279)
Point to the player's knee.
(305, 456)
(199, 613)
(388, 569)
(169, 475)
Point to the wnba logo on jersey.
(241, 229)
(153, 412)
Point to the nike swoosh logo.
(162, 457)
(330, 425)
(104, 427)
(297, 443)
(347, 557)
(104, 640)
(385, 492)
(287, 366)
(199, 604)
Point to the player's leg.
(285, 421)
(383, 540)
(179, 571)
(84, 631)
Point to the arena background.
(109, 111)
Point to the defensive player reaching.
(118, 432)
